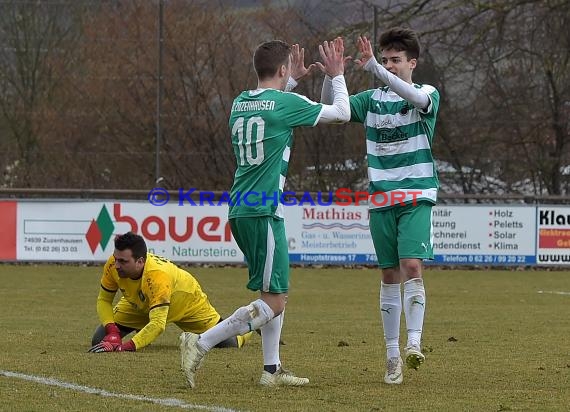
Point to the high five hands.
(298, 69)
(333, 60)
(332, 56)
(365, 49)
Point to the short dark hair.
(401, 39)
(133, 242)
(269, 57)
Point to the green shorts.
(402, 232)
(263, 242)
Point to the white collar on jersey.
(258, 91)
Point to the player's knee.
(253, 316)
(261, 312)
(391, 275)
(98, 335)
(275, 301)
(411, 268)
(243, 314)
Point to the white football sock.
(243, 320)
(414, 309)
(270, 335)
(391, 311)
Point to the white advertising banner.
(329, 234)
(84, 231)
(484, 234)
(553, 235)
(461, 235)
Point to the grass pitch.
(494, 341)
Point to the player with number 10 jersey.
(261, 124)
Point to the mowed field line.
(554, 292)
(172, 402)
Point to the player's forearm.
(339, 111)
(105, 306)
(403, 89)
(153, 329)
(327, 93)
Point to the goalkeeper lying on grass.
(155, 292)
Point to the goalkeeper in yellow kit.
(155, 292)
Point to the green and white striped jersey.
(261, 124)
(399, 141)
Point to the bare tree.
(36, 55)
(78, 89)
(503, 73)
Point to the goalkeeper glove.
(112, 334)
(104, 347)
(110, 342)
(113, 347)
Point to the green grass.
(511, 349)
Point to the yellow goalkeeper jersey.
(161, 284)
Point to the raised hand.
(298, 69)
(365, 50)
(332, 56)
